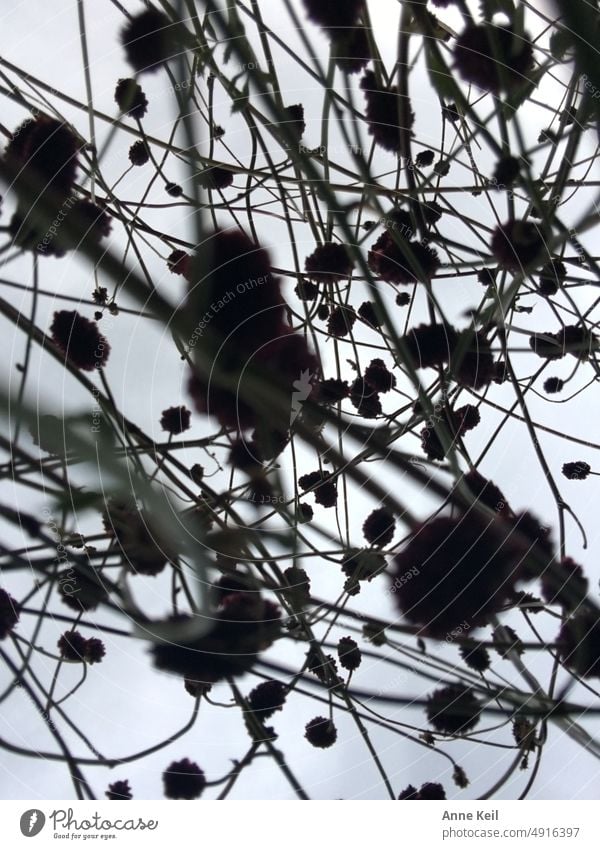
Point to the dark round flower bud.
(378, 376)
(333, 13)
(388, 113)
(506, 171)
(462, 569)
(130, 98)
(215, 178)
(365, 399)
(119, 790)
(518, 244)
(379, 526)
(46, 150)
(139, 153)
(94, 650)
(307, 291)
(332, 390)
(350, 48)
(80, 340)
(577, 471)
(424, 158)
(72, 646)
(399, 260)
(179, 262)
(349, 654)
(453, 709)
(566, 585)
(431, 790)
(80, 590)
(477, 657)
(321, 732)
(553, 385)
(175, 420)
(267, 697)
(149, 40)
(173, 189)
(370, 314)
(328, 262)
(493, 57)
(430, 344)
(9, 614)
(552, 276)
(579, 642)
(183, 780)
(341, 321)
(294, 115)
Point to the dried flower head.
(328, 262)
(323, 487)
(579, 644)
(46, 150)
(518, 244)
(306, 290)
(173, 189)
(551, 277)
(493, 57)
(476, 657)
(244, 625)
(267, 697)
(565, 585)
(365, 399)
(295, 119)
(430, 344)
(9, 614)
(350, 48)
(321, 732)
(80, 340)
(473, 363)
(369, 312)
(341, 321)
(130, 98)
(486, 492)
(349, 654)
(72, 646)
(577, 471)
(215, 178)
(80, 590)
(332, 390)
(453, 709)
(379, 527)
(388, 113)
(378, 376)
(139, 153)
(398, 260)
(175, 420)
(119, 790)
(149, 40)
(183, 780)
(506, 171)
(463, 569)
(141, 546)
(179, 262)
(552, 385)
(424, 158)
(333, 13)
(94, 650)
(432, 791)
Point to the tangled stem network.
(297, 401)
